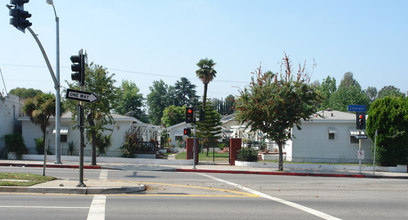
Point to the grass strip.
(23, 179)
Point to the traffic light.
(190, 115)
(78, 68)
(187, 131)
(19, 16)
(360, 120)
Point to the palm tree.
(40, 109)
(206, 73)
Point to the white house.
(10, 111)
(70, 135)
(176, 133)
(330, 138)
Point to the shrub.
(247, 154)
(222, 145)
(15, 143)
(39, 145)
(131, 143)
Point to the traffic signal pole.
(81, 143)
(45, 57)
(19, 21)
(58, 97)
(78, 66)
(359, 150)
(194, 148)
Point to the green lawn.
(22, 179)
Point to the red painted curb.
(51, 165)
(271, 173)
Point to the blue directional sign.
(356, 108)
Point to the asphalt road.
(173, 195)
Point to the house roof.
(227, 118)
(332, 116)
(181, 124)
(67, 116)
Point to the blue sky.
(143, 41)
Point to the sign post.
(360, 123)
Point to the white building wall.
(178, 131)
(118, 137)
(31, 131)
(10, 110)
(312, 143)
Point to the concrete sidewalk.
(97, 186)
(69, 186)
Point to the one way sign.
(81, 95)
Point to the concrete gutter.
(273, 173)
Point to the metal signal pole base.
(194, 148)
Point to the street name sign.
(356, 108)
(81, 95)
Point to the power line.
(4, 83)
(131, 71)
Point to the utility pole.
(57, 92)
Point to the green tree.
(206, 73)
(229, 104)
(97, 114)
(173, 115)
(348, 93)
(40, 109)
(209, 130)
(25, 93)
(348, 80)
(157, 101)
(390, 117)
(184, 92)
(390, 91)
(224, 106)
(326, 89)
(273, 105)
(371, 92)
(130, 102)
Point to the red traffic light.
(360, 121)
(190, 115)
(187, 131)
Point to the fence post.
(190, 149)
(235, 146)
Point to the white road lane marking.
(41, 207)
(103, 175)
(288, 203)
(97, 209)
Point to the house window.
(353, 140)
(63, 134)
(63, 138)
(332, 134)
